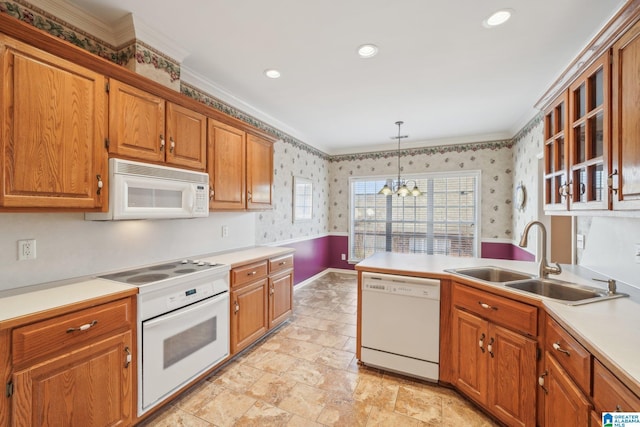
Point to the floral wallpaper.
(277, 225)
(528, 145)
(494, 160)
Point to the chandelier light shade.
(400, 187)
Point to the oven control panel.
(188, 296)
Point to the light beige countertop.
(20, 302)
(609, 329)
(247, 256)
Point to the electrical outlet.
(580, 241)
(344, 257)
(26, 249)
(225, 231)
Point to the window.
(441, 221)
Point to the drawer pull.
(619, 408)
(127, 360)
(481, 342)
(83, 327)
(556, 346)
(487, 306)
(253, 273)
(282, 262)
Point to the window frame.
(477, 174)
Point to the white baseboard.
(322, 273)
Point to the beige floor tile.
(335, 358)
(225, 408)
(328, 339)
(271, 388)
(375, 392)
(338, 380)
(262, 414)
(176, 417)
(345, 413)
(298, 421)
(238, 377)
(305, 401)
(420, 404)
(305, 372)
(457, 411)
(381, 418)
(271, 361)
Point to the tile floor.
(306, 374)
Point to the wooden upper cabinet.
(556, 155)
(589, 140)
(259, 173)
(186, 137)
(145, 127)
(226, 166)
(136, 123)
(625, 175)
(54, 124)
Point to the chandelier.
(400, 187)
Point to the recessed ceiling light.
(272, 73)
(498, 18)
(368, 50)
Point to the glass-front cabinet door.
(589, 137)
(556, 155)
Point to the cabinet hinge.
(538, 353)
(106, 143)
(107, 87)
(9, 390)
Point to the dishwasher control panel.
(401, 285)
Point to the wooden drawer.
(63, 333)
(281, 263)
(610, 394)
(248, 273)
(503, 311)
(573, 357)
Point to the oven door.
(178, 346)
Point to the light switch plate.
(580, 241)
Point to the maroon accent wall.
(316, 255)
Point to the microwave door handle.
(191, 201)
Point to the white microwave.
(145, 191)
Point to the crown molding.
(157, 40)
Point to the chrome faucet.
(544, 269)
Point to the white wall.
(67, 246)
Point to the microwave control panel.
(202, 198)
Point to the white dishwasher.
(401, 324)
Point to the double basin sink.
(566, 292)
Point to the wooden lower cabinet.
(77, 368)
(261, 299)
(496, 367)
(280, 298)
(90, 386)
(565, 404)
(494, 351)
(248, 314)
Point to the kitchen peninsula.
(601, 333)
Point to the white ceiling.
(439, 70)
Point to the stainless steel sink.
(492, 274)
(569, 293)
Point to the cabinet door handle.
(610, 181)
(236, 307)
(271, 290)
(541, 381)
(487, 306)
(161, 142)
(172, 144)
(481, 342)
(619, 408)
(556, 346)
(211, 193)
(83, 327)
(490, 347)
(100, 184)
(127, 359)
